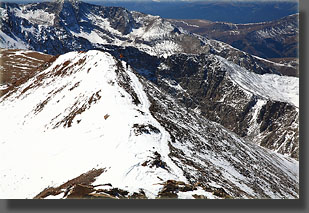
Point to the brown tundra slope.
(16, 66)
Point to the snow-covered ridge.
(269, 86)
(90, 111)
(105, 128)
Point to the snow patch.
(8, 42)
(269, 86)
(38, 16)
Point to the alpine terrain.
(103, 102)
(276, 40)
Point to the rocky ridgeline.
(82, 188)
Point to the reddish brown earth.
(80, 185)
(17, 66)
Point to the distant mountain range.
(274, 39)
(236, 12)
(101, 102)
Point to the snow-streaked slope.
(273, 39)
(263, 107)
(11, 42)
(37, 16)
(269, 86)
(87, 110)
(36, 23)
(207, 152)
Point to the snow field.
(39, 156)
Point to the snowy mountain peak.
(83, 76)
(71, 1)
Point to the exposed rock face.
(190, 139)
(209, 87)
